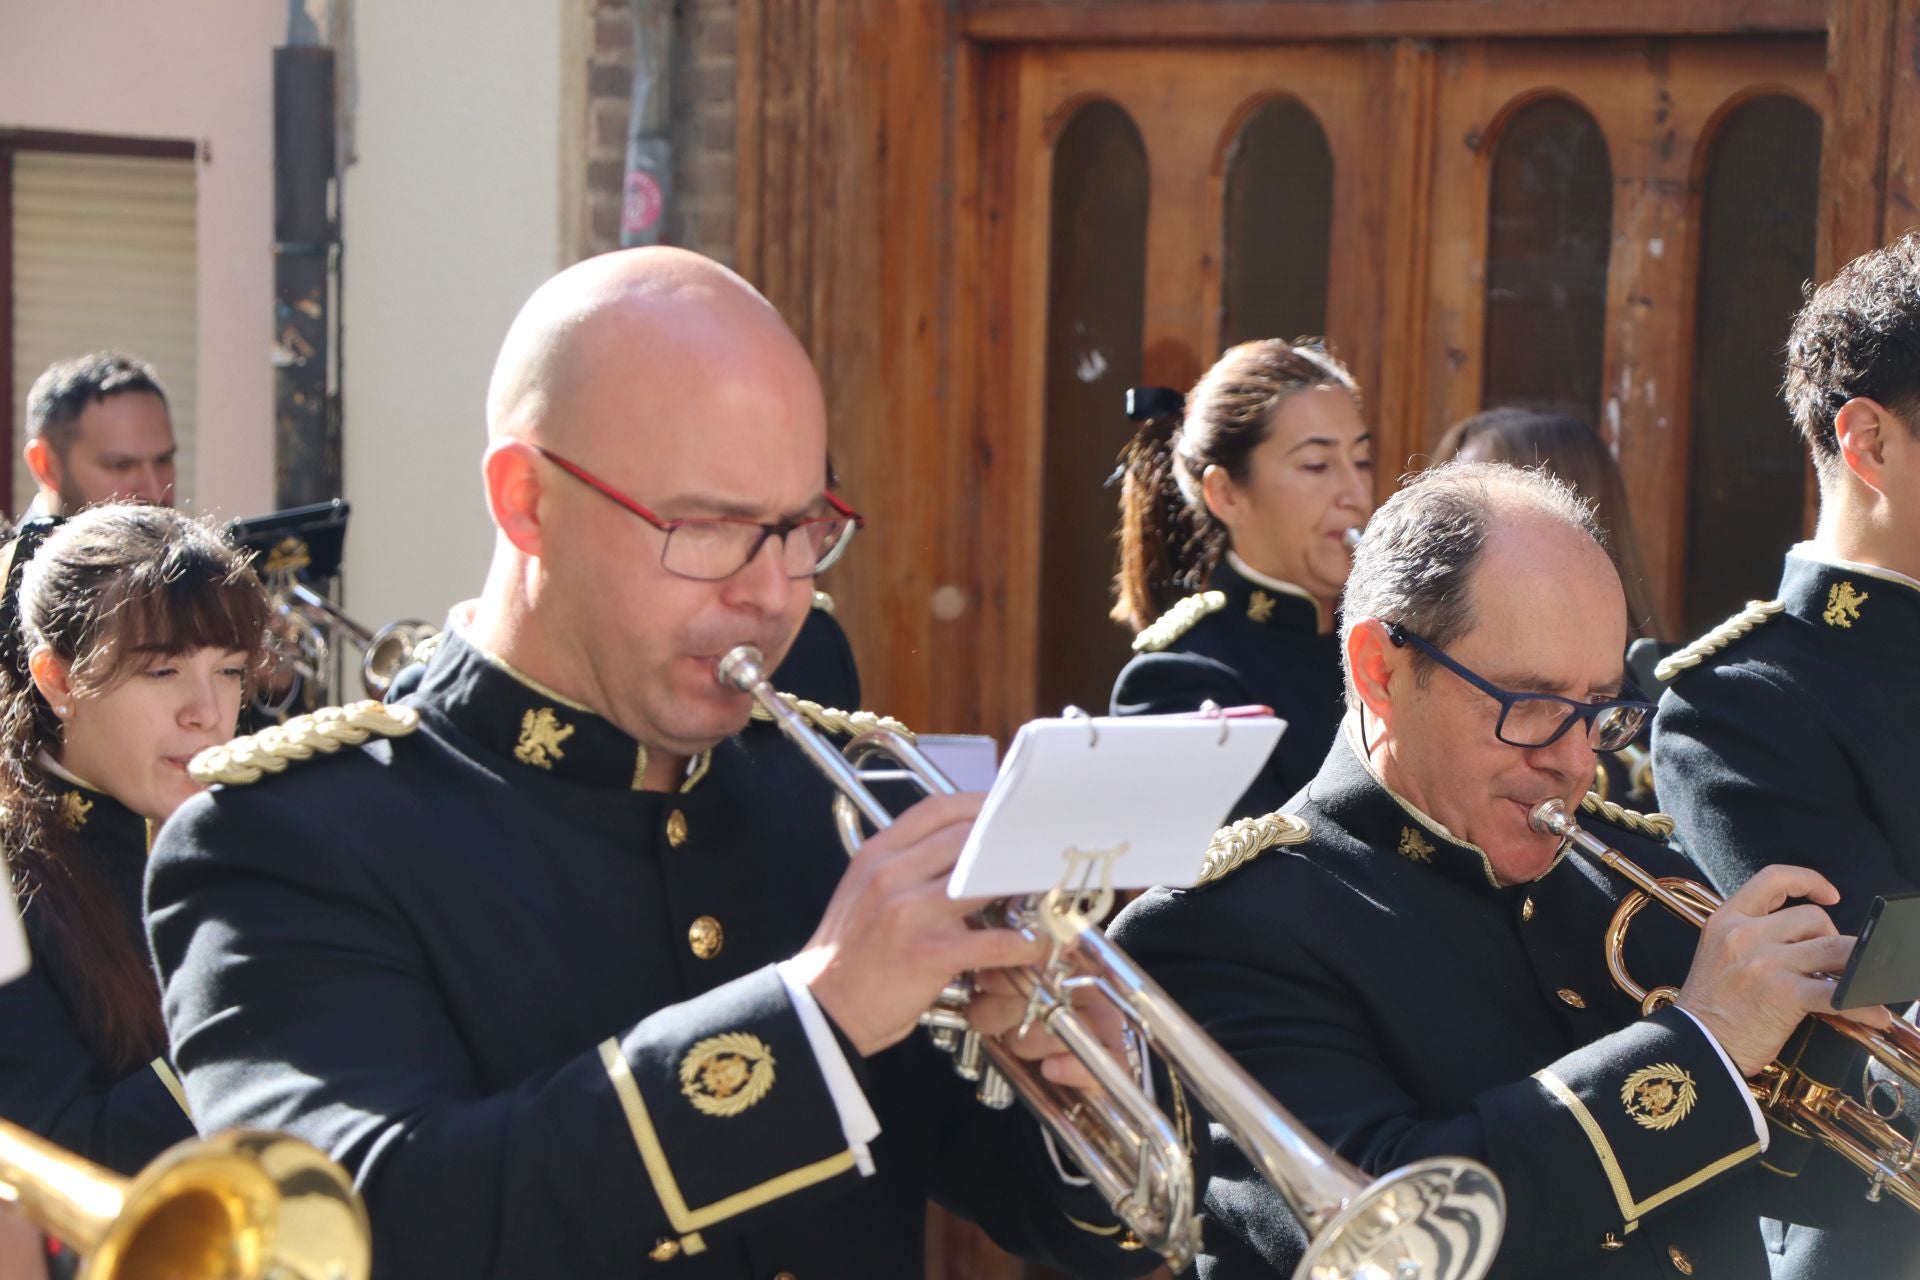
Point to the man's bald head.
(671, 383)
(662, 319)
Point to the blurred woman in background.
(1234, 517)
(127, 642)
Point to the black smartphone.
(1885, 965)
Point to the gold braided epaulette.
(1657, 825)
(323, 732)
(1237, 844)
(1178, 620)
(833, 720)
(1756, 612)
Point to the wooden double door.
(1615, 228)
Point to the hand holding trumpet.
(1762, 966)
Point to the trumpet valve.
(969, 1057)
(994, 1093)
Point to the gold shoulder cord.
(832, 720)
(1178, 620)
(323, 732)
(1236, 845)
(1657, 825)
(1756, 612)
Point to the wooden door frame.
(862, 150)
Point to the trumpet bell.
(240, 1206)
(1439, 1219)
(391, 648)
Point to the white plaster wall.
(452, 214)
(199, 69)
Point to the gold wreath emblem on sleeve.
(724, 1075)
(1658, 1097)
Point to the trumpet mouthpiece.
(1549, 817)
(740, 668)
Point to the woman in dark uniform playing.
(1235, 515)
(129, 638)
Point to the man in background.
(98, 430)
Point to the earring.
(63, 710)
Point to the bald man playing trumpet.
(561, 955)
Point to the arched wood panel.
(1654, 101)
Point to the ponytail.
(1167, 547)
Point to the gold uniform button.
(784, 1275)
(676, 828)
(1681, 1262)
(706, 937)
(665, 1251)
(1526, 909)
(1567, 996)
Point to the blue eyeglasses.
(1540, 719)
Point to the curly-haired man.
(1792, 732)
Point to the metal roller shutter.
(103, 256)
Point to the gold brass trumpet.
(240, 1206)
(1794, 1100)
(1436, 1219)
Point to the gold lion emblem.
(74, 809)
(724, 1075)
(1658, 1097)
(1260, 606)
(541, 734)
(1414, 845)
(1843, 605)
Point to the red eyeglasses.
(716, 547)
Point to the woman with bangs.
(127, 641)
(1237, 505)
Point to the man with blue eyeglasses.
(1415, 970)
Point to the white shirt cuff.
(857, 1120)
(1753, 1106)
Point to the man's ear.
(514, 490)
(43, 463)
(1863, 430)
(1373, 658)
(53, 677)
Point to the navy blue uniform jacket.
(535, 1011)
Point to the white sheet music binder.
(13, 938)
(1143, 793)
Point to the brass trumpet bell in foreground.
(240, 1206)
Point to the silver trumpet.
(310, 626)
(1436, 1219)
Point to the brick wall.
(701, 107)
